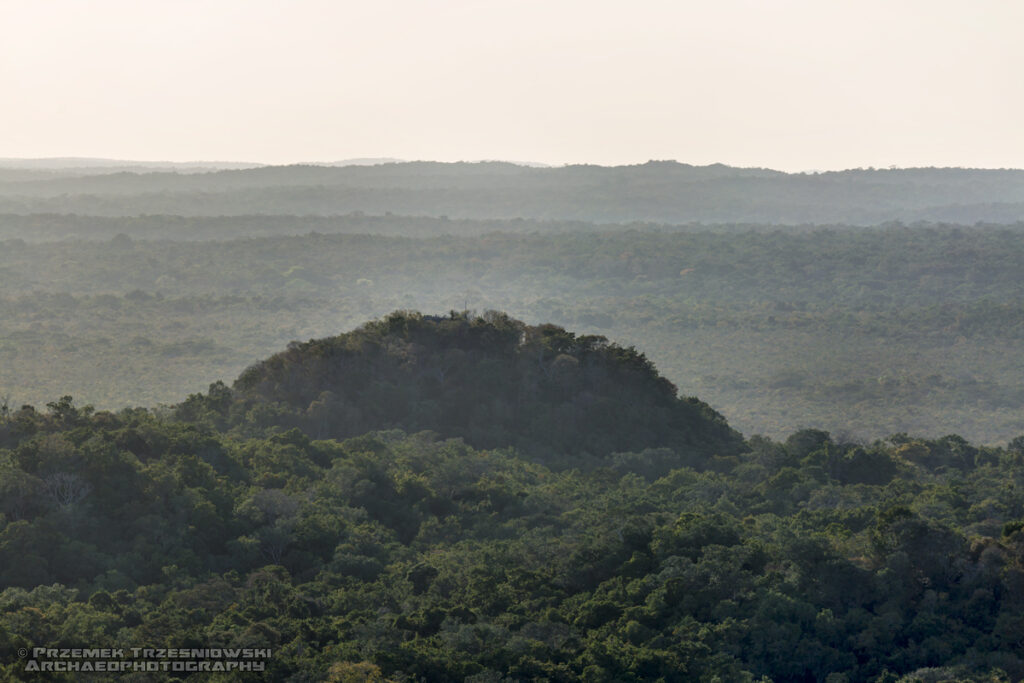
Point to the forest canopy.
(490, 379)
(896, 328)
(393, 555)
(534, 494)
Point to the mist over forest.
(764, 293)
(496, 422)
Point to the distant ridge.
(658, 192)
(57, 163)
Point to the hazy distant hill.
(664, 192)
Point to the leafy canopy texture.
(395, 556)
(489, 379)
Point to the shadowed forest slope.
(492, 380)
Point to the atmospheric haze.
(793, 84)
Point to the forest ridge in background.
(864, 302)
(658, 191)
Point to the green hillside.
(492, 380)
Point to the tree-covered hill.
(231, 522)
(490, 379)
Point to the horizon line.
(89, 162)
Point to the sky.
(795, 85)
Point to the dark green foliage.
(491, 380)
(671, 550)
(395, 557)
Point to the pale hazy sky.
(788, 84)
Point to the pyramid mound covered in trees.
(491, 380)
